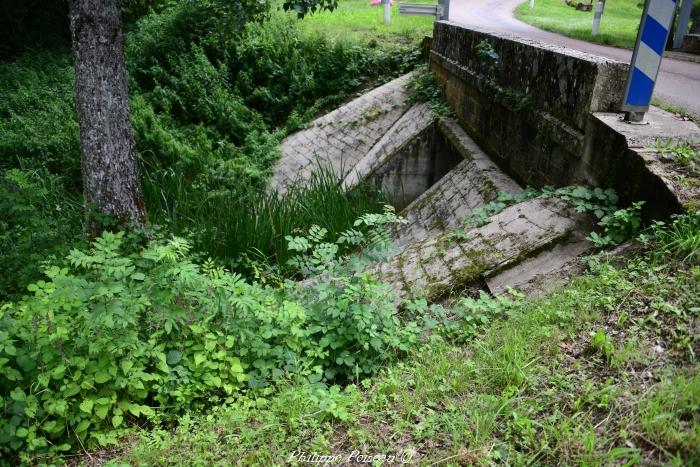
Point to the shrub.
(116, 337)
(38, 126)
(38, 221)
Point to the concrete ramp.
(340, 139)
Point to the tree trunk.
(110, 176)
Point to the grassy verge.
(618, 26)
(602, 371)
(358, 20)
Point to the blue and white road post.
(646, 59)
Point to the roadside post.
(600, 6)
(387, 11)
(646, 59)
(683, 19)
(532, 3)
(445, 4)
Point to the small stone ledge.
(544, 271)
(435, 267)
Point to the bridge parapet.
(565, 83)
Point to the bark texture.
(110, 176)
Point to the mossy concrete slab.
(437, 266)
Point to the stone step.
(475, 182)
(340, 139)
(438, 266)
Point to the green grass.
(602, 371)
(358, 20)
(239, 228)
(618, 26)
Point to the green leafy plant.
(481, 215)
(618, 225)
(315, 255)
(603, 344)
(516, 100)
(464, 320)
(488, 56)
(115, 336)
(597, 201)
(680, 151)
(422, 87)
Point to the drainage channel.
(416, 167)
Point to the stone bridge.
(526, 114)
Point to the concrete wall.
(626, 157)
(530, 111)
(416, 166)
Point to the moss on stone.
(471, 272)
(692, 205)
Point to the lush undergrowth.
(210, 102)
(245, 243)
(120, 334)
(602, 371)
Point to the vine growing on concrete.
(422, 87)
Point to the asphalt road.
(678, 81)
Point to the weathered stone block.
(691, 44)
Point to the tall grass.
(236, 228)
(679, 239)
